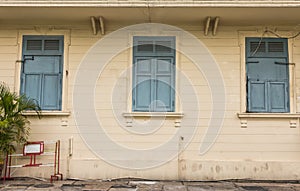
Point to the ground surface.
(27, 184)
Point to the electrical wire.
(279, 36)
(259, 43)
(275, 34)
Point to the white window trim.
(67, 42)
(243, 91)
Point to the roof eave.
(145, 3)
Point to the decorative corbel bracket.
(97, 24)
(214, 27)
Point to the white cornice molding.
(147, 3)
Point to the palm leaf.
(14, 126)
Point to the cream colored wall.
(268, 148)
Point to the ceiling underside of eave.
(228, 16)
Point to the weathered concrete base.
(189, 170)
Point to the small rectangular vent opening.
(163, 46)
(145, 46)
(275, 47)
(51, 45)
(257, 47)
(34, 45)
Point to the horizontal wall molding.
(150, 3)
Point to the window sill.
(269, 115)
(48, 113)
(293, 117)
(153, 114)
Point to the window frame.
(42, 53)
(64, 111)
(135, 54)
(242, 35)
(266, 41)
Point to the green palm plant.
(14, 126)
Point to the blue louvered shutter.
(31, 84)
(153, 74)
(142, 95)
(257, 96)
(267, 75)
(42, 70)
(51, 94)
(278, 92)
(164, 76)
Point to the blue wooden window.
(153, 74)
(267, 75)
(42, 66)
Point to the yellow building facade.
(168, 90)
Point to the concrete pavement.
(30, 184)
